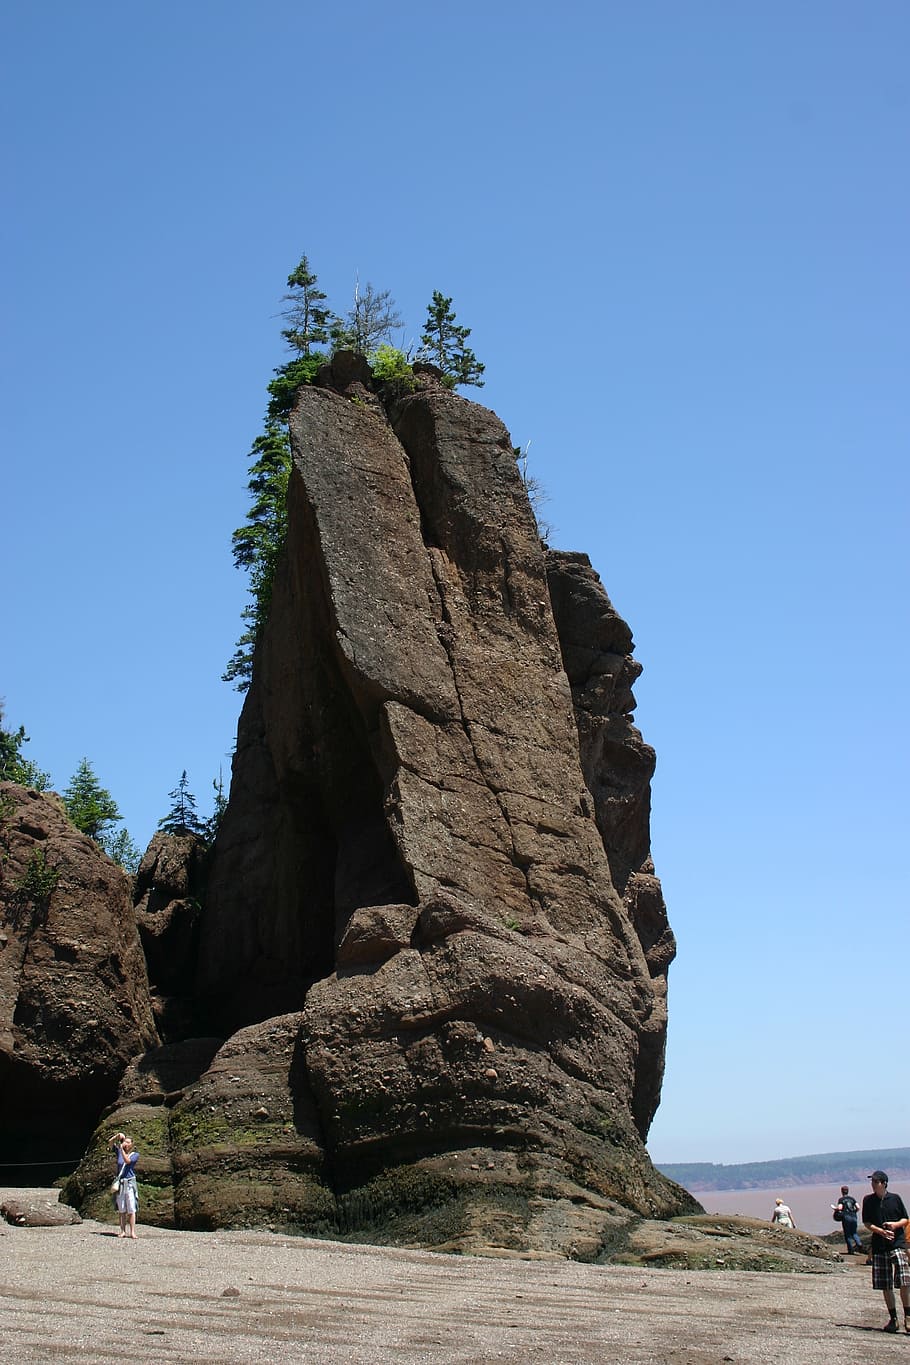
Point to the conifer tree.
(309, 321)
(443, 344)
(15, 768)
(90, 806)
(122, 850)
(257, 546)
(213, 823)
(182, 817)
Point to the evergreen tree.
(91, 808)
(309, 321)
(15, 768)
(213, 824)
(121, 849)
(257, 546)
(182, 817)
(372, 319)
(443, 344)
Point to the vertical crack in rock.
(446, 639)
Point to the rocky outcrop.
(74, 996)
(430, 860)
(618, 766)
(170, 885)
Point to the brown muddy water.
(811, 1204)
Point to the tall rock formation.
(434, 863)
(74, 995)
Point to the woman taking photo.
(127, 1197)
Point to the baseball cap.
(879, 1175)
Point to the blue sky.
(679, 235)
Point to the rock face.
(170, 885)
(74, 996)
(618, 767)
(435, 856)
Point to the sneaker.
(907, 1326)
(890, 1325)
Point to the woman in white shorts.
(127, 1195)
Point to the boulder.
(28, 1212)
(74, 994)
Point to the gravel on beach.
(81, 1293)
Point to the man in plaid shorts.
(886, 1218)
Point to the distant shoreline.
(819, 1169)
(838, 1177)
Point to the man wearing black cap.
(886, 1218)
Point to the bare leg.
(132, 1220)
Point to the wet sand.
(80, 1293)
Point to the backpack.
(847, 1208)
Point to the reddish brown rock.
(170, 885)
(38, 1213)
(74, 996)
(412, 856)
(618, 766)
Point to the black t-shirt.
(882, 1209)
(848, 1205)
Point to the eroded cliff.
(432, 938)
(420, 863)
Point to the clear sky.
(679, 232)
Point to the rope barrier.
(21, 1165)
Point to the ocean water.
(811, 1204)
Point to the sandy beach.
(81, 1293)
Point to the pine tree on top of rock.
(90, 806)
(182, 817)
(309, 321)
(443, 344)
(15, 768)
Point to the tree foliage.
(391, 366)
(123, 851)
(372, 319)
(182, 817)
(90, 806)
(288, 379)
(309, 321)
(213, 823)
(15, 768)
(35, 887)
(257, 546)
(537, 494)
(443, 344)
(366, 329)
